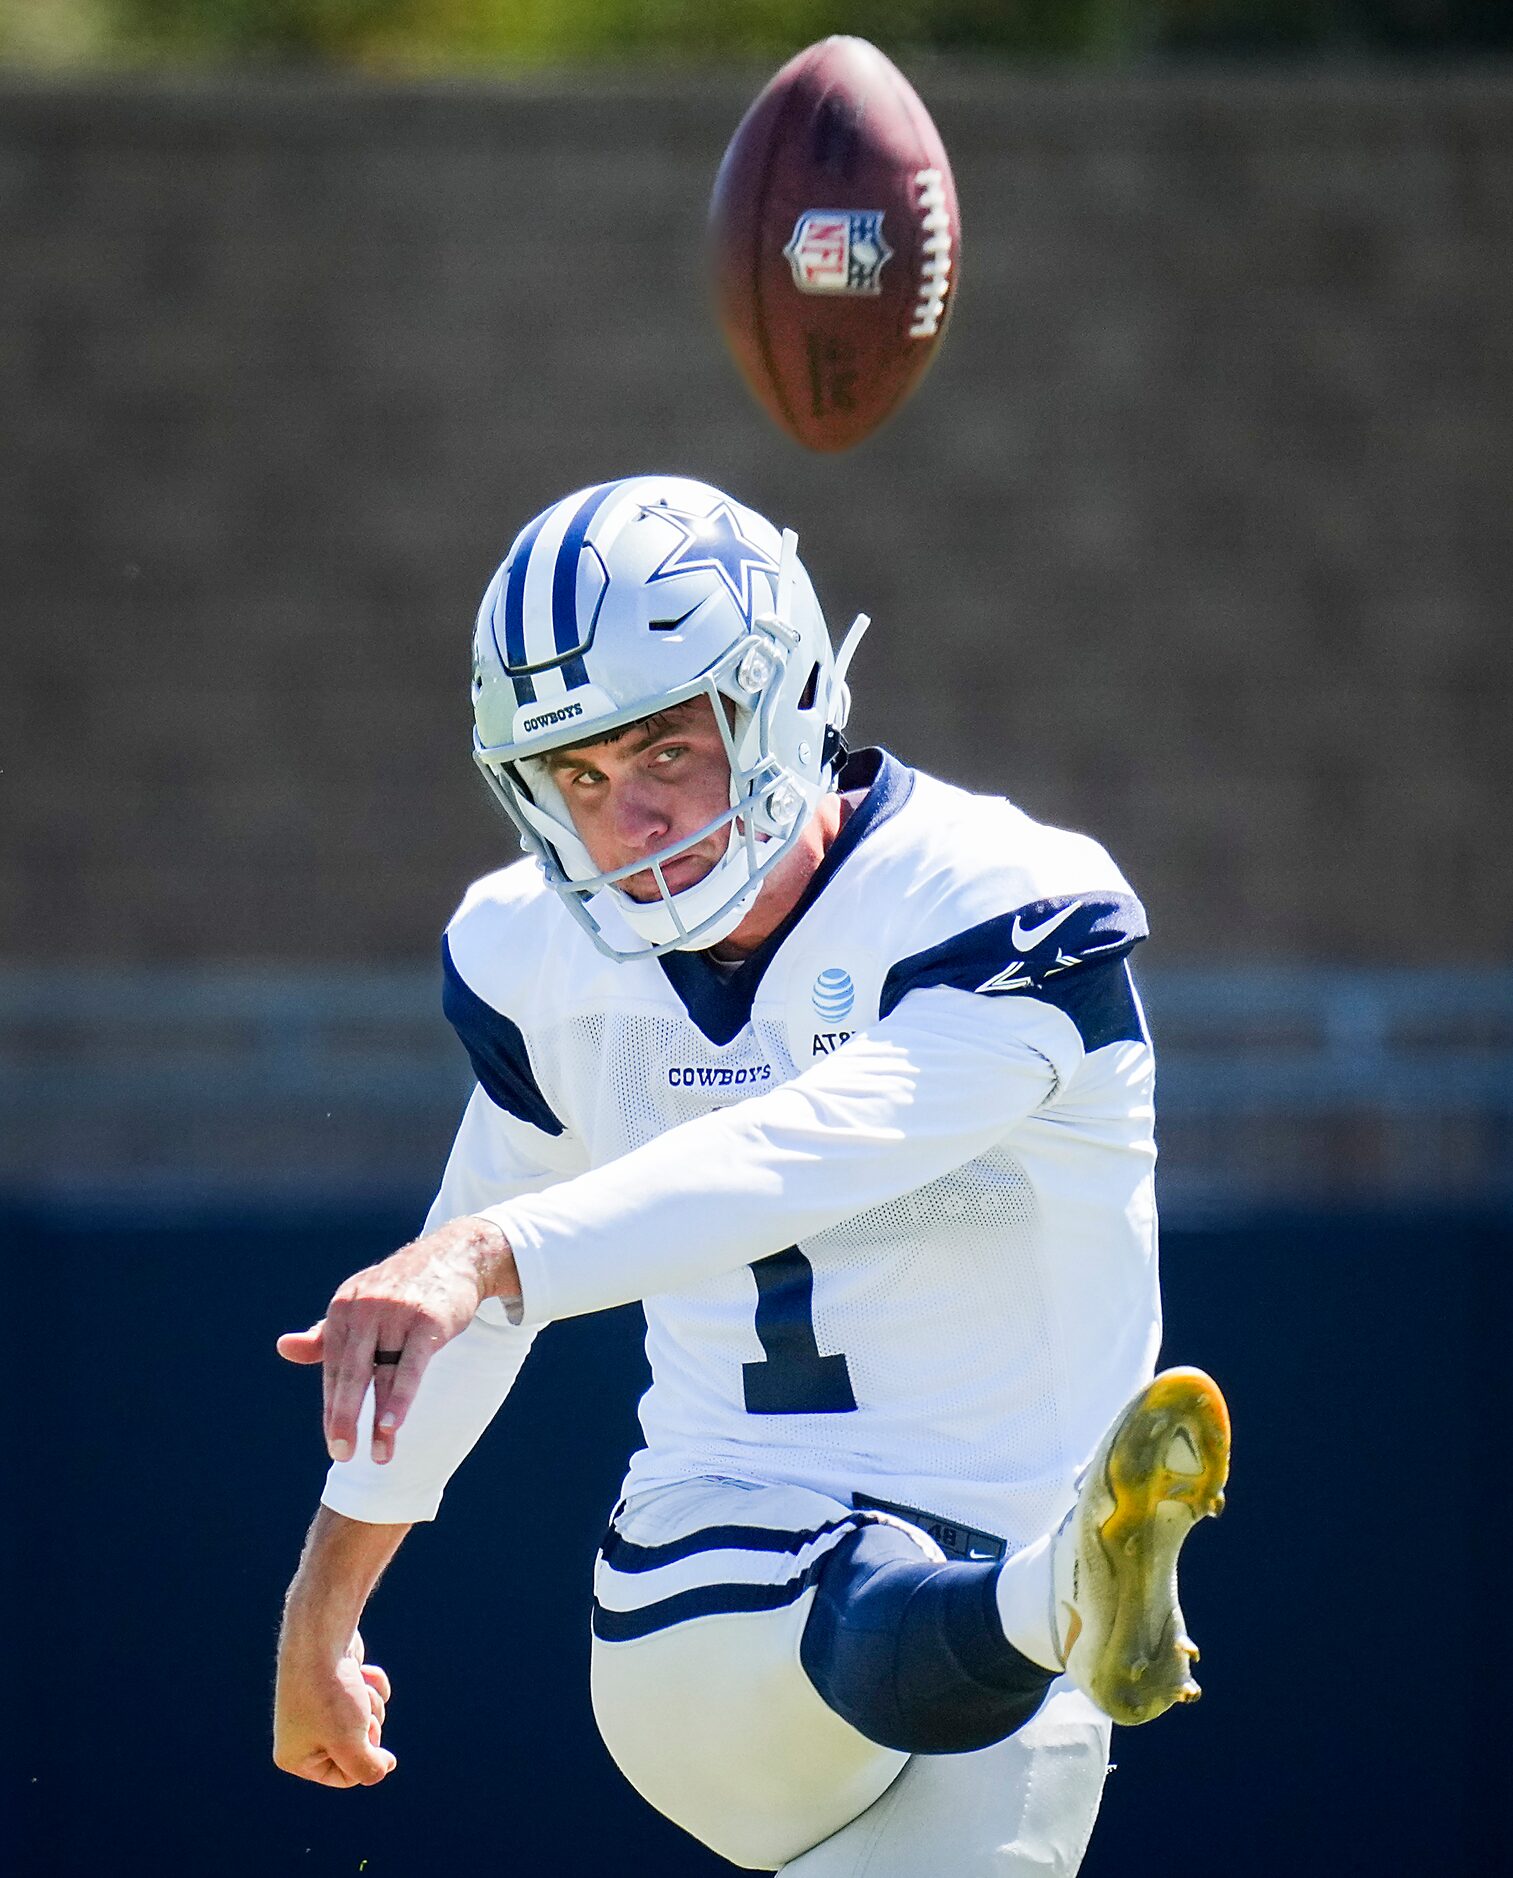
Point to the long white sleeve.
(494, 1155)
(460, 1394)
(932, 1085)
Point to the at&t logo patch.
(825, 1004)
(838, 251)
(833, 994)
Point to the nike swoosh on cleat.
(1026, 938)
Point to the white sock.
(1024, 1603)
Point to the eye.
(671, 751)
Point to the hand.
(328, 1718)
(410, 1303)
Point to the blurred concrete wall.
(1198, 536)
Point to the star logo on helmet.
(714, 542)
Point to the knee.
(910, 1651)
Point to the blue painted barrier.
(166, 1463)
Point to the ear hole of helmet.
(806, 702)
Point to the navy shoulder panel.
(718, 1002)
(496, 1049)
(1069, 951)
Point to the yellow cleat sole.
(1164, 1469)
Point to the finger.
(379, 1710)
(395, 1388)
(391, 1337)
(303, 1346)
(380, 1764)
(363, 1761)
(375, 1678)
(348, 1371)
(332, 1345)
(317, 1766)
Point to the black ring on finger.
(386, 1356)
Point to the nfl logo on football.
(838, 251)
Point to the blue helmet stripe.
(514, 613)
(498, 601)
(565, 586)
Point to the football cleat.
(1159, 1470)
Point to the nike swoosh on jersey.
(1026, 938)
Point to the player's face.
(665, 777)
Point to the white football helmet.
(628, 598)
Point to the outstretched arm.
(329, 1705)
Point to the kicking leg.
(766, 1659)
(917, 1653)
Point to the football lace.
(935, 274)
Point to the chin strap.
(833, 752)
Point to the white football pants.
(702, 1701)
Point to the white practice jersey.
(885, 1190)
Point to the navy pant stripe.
(623, 1555)
(701, 1601)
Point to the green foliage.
(50, 33)
(285, 29)
(466, 31)
(420, 34)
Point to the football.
(834, 243)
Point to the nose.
(641, 822)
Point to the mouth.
(682, 871)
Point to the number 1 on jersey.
(793, 1378)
